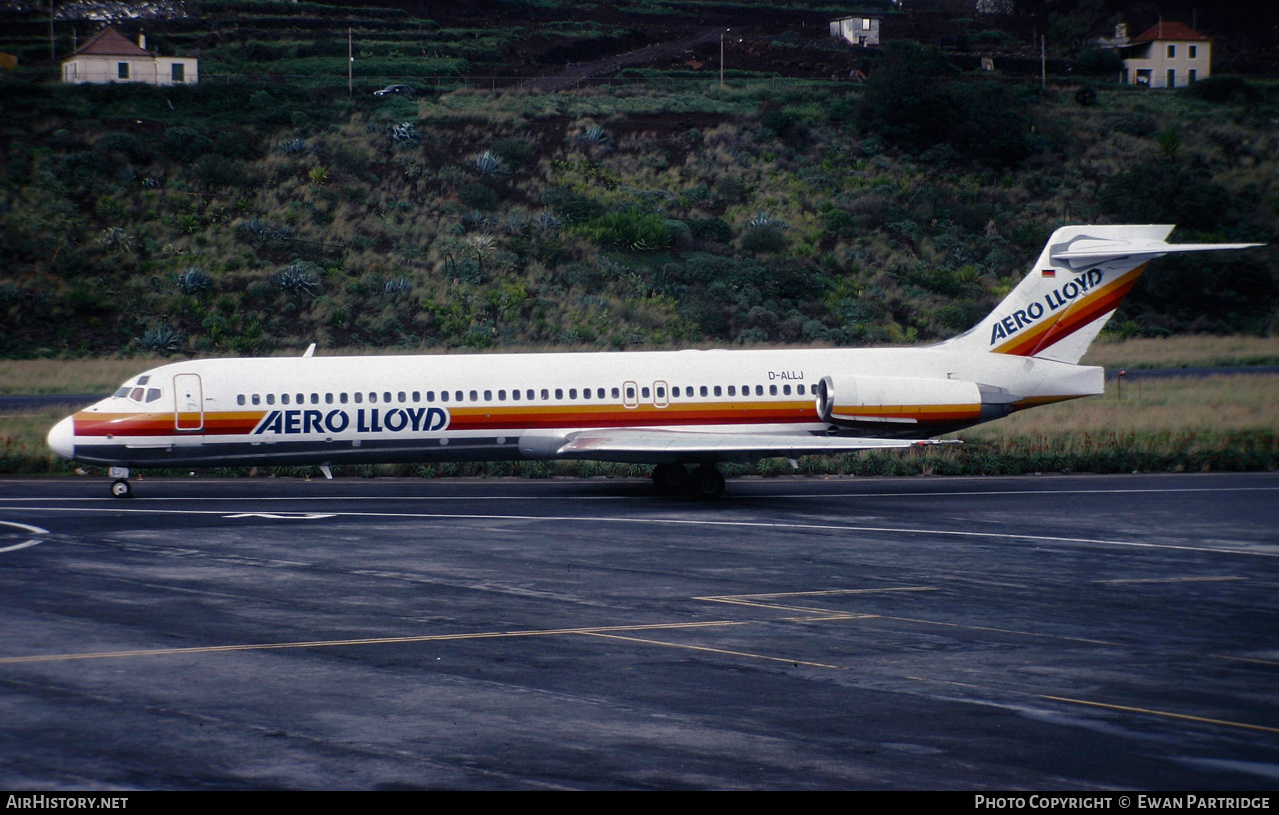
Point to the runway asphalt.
(1051, 633)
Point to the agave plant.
(761, 221)
(318, 175)
(116, 238)
(295, 278)
(489, 163)
(548, 222)
(594, 136)
(405, 134)
(161, 339)
(193, 281)
(396, 286)
(293, 147)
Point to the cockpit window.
(142, 380)
(153, 394)
(136, 394)
(122, 393)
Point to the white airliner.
(672, 409)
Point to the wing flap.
(651, 446)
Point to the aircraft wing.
(654, 446)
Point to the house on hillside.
(1169, 55)
(862, 30)
(109, 56)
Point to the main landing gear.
(120, 488)
(703, 482)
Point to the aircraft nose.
(62, 438)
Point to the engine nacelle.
(853, 400)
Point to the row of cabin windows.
(517, 395)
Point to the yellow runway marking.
(1173, 580)
(723, 651)
(267, 646)
(1256, 660)
(749, 600)
(1163, 713)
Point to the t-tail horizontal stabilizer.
(1081, 277)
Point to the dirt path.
(574, 74)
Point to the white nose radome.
(62, 438)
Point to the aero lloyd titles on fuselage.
(1052, 301)
(370, 420)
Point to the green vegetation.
(265, 208)
(250, 218)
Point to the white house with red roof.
(109, 56)
(1169, 55)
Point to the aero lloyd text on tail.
(682, 411)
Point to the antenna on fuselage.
(310, 351)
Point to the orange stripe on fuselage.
(90, 424)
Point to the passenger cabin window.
(342, 397)
(239, 400)
(444, 396)
(599, 392)
(644, 391)
(732, 390)
(284, 399)
(546, 394)
(702, 390)
(475, 397)
(675, 391)
(402, 398)
(718, 391)
(572, 393)
(515, 395)
(386, 397)
(501, 395)
(759, 390)
(617, 394)
(772, 390)
(328, 398)
(373, 398)
(457, 396)
(488, 396)
(799, 389)
(270, 398)
(315, 398)
(257, 400)
(359, 397)
(559, 394)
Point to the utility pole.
(1043, 61)
(350, 64)
(721, 56)
(52, 54)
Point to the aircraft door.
(188, 403)
(630, 395)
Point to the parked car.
(395, 90)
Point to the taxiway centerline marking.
(721, 651)
(1163, 713)
(442, 516)
(268, 646)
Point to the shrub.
(633, 231)
(764, 239)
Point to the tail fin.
(1079, 280)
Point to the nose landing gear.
(120, 488)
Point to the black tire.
(706, 482)
(670, 478)
(122, 489)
